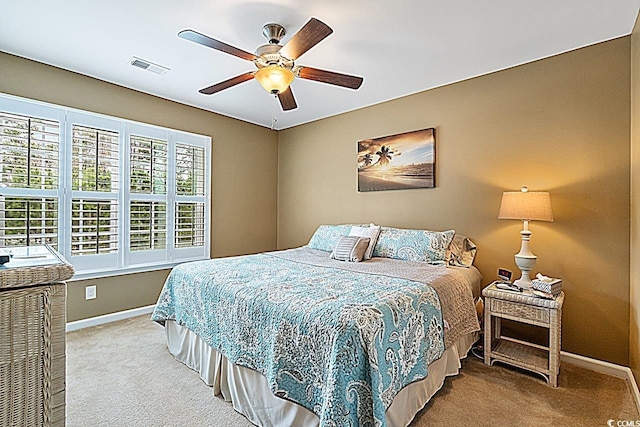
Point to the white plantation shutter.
(148, 183)
(191, 213)
(29, 180)
(29, 149)
(148, 157)
(113, 196)
(190, 172)
(94, 198)
(148, 225)
(190, 177)
(95, 159)
(94, 226)
(189, 225)
(95, 170)
(27, 221)
(148, 165)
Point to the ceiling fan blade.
(307, 37)
(226, 84)
(330, 77)
(287, 101)
(194, 36)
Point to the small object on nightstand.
(546, 284)
(504, 274)
(507, 286)
(542, 294)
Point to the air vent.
(149, 66)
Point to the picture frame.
(397, 162)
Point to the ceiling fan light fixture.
(274, 78)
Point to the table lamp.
(526, 206)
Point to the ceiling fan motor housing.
(269, 54)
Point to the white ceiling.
(399, 47)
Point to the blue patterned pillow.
(413, 245)
(326, 236)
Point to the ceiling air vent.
(149, 66)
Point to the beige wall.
(244, 165)
(634, 318)
(561, 124)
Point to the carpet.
(121, 374)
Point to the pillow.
(326, 236)
(371, 232)
(461, 251)
(413, 245)
(350, 248)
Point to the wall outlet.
(90, 292)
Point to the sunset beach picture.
(397, 162)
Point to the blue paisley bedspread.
(341, 343)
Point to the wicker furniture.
(525, 308)
(32, 339)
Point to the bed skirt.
(250, 395)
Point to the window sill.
(100, 274)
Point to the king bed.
(303, 337)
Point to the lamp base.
(525, 263)
(523, 282)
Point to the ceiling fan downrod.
(273, 32)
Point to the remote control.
(508, 287)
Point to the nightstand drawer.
(521, 311)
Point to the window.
(149, 182)
(94, 189)
(113, 196)
(29, 163)
(190, 177)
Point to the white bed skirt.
(250, 395)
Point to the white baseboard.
(108, 318)
(607, 368)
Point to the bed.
(304, 337)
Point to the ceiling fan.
(276, 63)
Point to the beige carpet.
(121, 374)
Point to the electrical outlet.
(90, 292)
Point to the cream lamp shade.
(526, 206)
(274, 78)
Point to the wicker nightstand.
(525, 308)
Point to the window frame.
(124, 260)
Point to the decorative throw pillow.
(413, 245)
(350, 248)
(371, 232)
(326, 236)
(461, 252)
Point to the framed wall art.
(398, 162)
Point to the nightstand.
(523, 307)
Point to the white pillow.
(350, 248)
(371, 232)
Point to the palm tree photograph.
(397, 162)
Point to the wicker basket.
(32, 345)
(51, 268)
